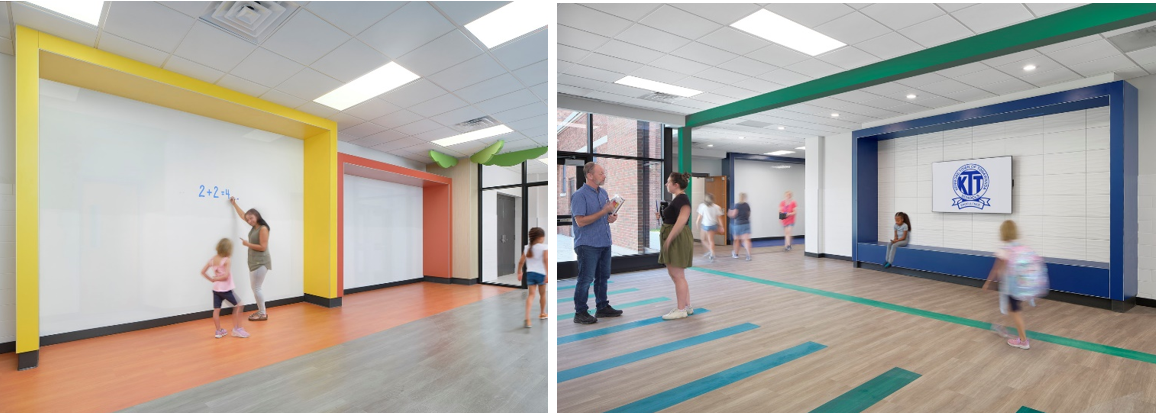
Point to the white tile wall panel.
(1099, 161)
(1065, 141)
(1065, 163)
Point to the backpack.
(1027, 274)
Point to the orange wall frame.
(437, 216)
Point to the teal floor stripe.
(869, 393)
(571, 287)
(599, 366)
(569, 316)
(1025, 409)
(1063, 341)
(718, 380)
(622, 327)
(571, 298)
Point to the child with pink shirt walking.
(222, 280)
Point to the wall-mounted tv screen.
(980, 186)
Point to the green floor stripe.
(867, 394)
(571, 298)
(1025, 409)
(570, 316)
(1063, 341)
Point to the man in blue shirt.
(593, 213)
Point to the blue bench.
(1071, 276)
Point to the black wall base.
(27, 360)
(1084, 300)
(380, 286)
(443, 280)
(324, 302)
(1146, 302)
(9, 347)
(824, 255)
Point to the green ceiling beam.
(1066, 25)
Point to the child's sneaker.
(674, 314)
(1019, 343)
(711, 258)
(543, 317)
(222, 333)
(527, 325)
(1001, 330)
(734, 255)
(240, 332)
(748, 257)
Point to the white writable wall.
(1060, 170)
(765, 184)
(383, 232)
(133, 199)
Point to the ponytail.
(535, 234)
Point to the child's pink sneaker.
(1019, 343)
(222, 333)
(240, 332)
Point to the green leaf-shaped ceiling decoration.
(483, 156)
(443, 160)
(514, 158)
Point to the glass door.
(571, 176)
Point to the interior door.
(507, 238)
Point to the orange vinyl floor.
(122, 370)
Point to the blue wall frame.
(1117, 282)
(728, 167)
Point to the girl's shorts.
(710, 228)
(533, 278)
(742, 229)
(221, 296)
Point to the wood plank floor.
(114, 372)
(963, 369)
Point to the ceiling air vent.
(661, 97)
(1135, 40)
(253, 21)
(475, 124)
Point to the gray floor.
(475, 358)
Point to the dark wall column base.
(27, 360)
(324, 302)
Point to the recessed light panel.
(85, 11)
(783, 31)
(383, 79)
(778, 153)
(475, 135)
(802, 148)
(657, 86)
(509, 22)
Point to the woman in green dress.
(677, 243)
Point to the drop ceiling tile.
(195, 70)
(318, 109)
(308, 84)
(413, 93)
(580, 39)
(465, 12)
(746, 66)
(933, 101)
(281, 98)
(970, 94)
(655, 74)
(440, 54)
(1044, 9)
(651, 38)
(372, 109)
(882, 102)
(1068, 44)
(506, 102)
(916, 81)
(1104, 65)
(734, 92)
(194, 9)
(380, 138)
(985, 17)
(810, 14)
(1006, 87)
(350, 61)
(951, 7)
(815, 68)
(590, 20)
(984, 77)
(398, 144)
(889, 46)
(1143, 55)
(677, 21)
(266, 68)
(397, 118)
(945, 87)
(632, 12)
(345, 138)
(409, 27)
(1094, 50)
(148, 23)
(534, 111)
(848, 57)
(940, 30)
(5, 23)
(908, 108)
(345, 120)
(1016, 68)
(722, 76)
(586, 72)
(610, 63)
(6, 47)
(887, 89)
(420, 126)
(352, 17)
(305, 38)
(698, 84)
(1050, 77)
(1129, 29)
(853, 28)
(456, 116)
(631, 52)
(720, 13)
(429, 136)
(232, 82)
(786, 77)
(119, 46)
(438, 105)
(468, 73)
(214, 48)
(541, 90)
(774, 54)
(524, 51)
(901, 15)
(531, 126)
(63, 27)
(1010, 58)
(733, 40)
(702, 53)
(533, 74)
(520, 145)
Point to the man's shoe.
(608, 311)
(584, 318)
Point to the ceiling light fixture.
(709, 146)
(85, 11)
(802, 148)
(381, 80)
(508, 22)
(834, 115)
(657, 86)
(912, 96)
(742, 137)
(781, 128)
(783, 31)
(473, 136)
(1029, 68)
(777, 153)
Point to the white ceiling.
(327, 44)
(692, 45)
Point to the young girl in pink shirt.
(222, 280)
